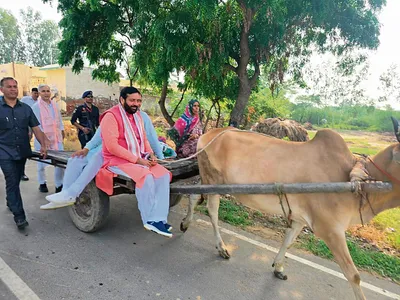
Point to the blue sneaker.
(167, 226)
(158, 227)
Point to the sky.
(389, 49)
(388, 52)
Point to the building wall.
(56, 79)
(76, 84)
(27, 76)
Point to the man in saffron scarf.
(187, 130)
(126, 151)
(84, 165)
(49, 116)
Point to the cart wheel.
(174, 199)
(91, 209)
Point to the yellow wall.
(124, 82)
(56, 79)
(27, 77)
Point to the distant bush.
(357, 117)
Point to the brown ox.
(239, 157)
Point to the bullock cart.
(92, 207)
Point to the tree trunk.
(219, 114)
(180, 101)
(246, 83)
(208, 117)
(161, 102)
(241, 102)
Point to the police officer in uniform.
(86, 118)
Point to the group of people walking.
(120, 141)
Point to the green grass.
(231, 213)
(370, 260)
(390, 219)
(160, 131)
(364, 150)
(355, 144)
(311, 134)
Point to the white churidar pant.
(152, 197)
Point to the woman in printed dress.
(187, 130)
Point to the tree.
(247, 35)
(222, 46)
(11, 46)
(334, 80)
(390, 84)
(40, 38)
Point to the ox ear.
(396, 126)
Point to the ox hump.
(330, 139)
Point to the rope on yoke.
(280, 194)
(359, 188)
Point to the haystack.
(281, 128)
(308, 126)
(161, 123)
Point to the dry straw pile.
(281, 128)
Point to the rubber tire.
(98, 206)
(174, 199)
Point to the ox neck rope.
(364, 195)
(391, 177)
(280, 194)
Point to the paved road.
(123, 261)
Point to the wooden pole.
(276, 188)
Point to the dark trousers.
(13, 170)
(84, 138)
(23, 169)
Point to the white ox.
(237, 157)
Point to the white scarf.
(131, 140)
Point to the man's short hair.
(42, 86)
(5, 79)
(128, 91)
(34, 90)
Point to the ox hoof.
(280, 275)
(183, 227)
(224, 253)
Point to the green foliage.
(32, 40)
(357, 117)
(390, 84)
(263, 104)
(222, 46)
(11, 46)
(383, 264)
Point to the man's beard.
(130, 109)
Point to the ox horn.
(396, 128)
